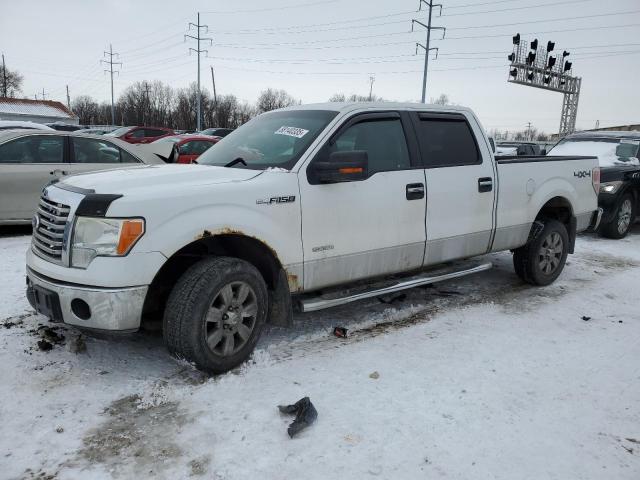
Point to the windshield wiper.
(236, 161)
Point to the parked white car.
(31, 159)
(12, 125)
(290, 209)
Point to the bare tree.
(341, 97)
(443, 99)
(11, 82)
(86, 108)
(271, 99)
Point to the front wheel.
(215, 313)
(542, 259)
(622, 220)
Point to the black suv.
(619, 157)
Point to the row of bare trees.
(158, 104)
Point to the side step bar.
(318, 303)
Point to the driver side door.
(371, 226)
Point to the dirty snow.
(480, 378)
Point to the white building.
(38, 111)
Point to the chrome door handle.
(415, 191)
(485, 184)
(58, 172)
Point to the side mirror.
(342, 167)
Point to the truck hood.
(155, 177)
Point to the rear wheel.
(215, 313)
(622, 220)
(542, 259)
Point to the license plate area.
(47, 303)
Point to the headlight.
(610, 187)
(110, 237)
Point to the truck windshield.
(275, 139)
(610, 151)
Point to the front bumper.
(114, 309)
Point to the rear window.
(610, 151)
(446, 141)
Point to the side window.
(199, 147)
(126, 157)
(91, 150)
(383, 140)
(33, 149)
(446, 142)
(151, 132)
(187, 148)
(139, 133)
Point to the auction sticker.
(292, 131)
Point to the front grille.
(49, 234)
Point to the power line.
(268, 9)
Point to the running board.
(318, 303)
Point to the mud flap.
(572, 234)
(280, 309)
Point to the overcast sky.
(315, 48)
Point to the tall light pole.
(198, 51)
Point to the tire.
(542, 259)
(622, 219)
(215, 313)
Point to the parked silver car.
(31, 159)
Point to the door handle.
(415, 191)
(57, 172)
(485, 184)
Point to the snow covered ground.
(476, 379)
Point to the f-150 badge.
(272, 200)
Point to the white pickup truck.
(289, 209)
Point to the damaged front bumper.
(96, 308)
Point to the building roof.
(42, 108)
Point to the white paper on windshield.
(292, 131)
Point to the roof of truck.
(605, 134)
(348, 106)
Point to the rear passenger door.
(27, 164)
(91, 154)
(460, 186)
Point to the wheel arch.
(560, 208)
(228, 243)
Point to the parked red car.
(182, 148)
(140, 134)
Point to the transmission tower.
(198, 51)
(427, 48)
(111, 63)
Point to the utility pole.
(215, 99)
(529, 131)
(68, 99)
(43, 94)
(198, 38)
(5, 87)
(111, 63)
(147, 104)
(372, 78)
(427, 48)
